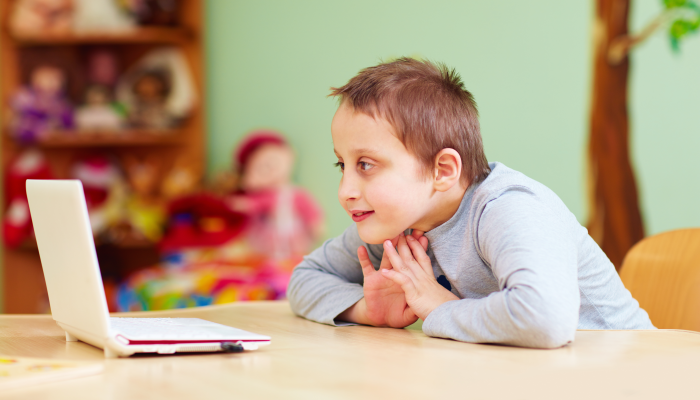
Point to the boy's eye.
(365, 166)
(340, 164)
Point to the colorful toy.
(41, 107)
(204, 283)
(200, 220)
(104, 189)
(17, 225)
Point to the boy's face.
(382, 187)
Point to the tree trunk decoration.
(615, 222)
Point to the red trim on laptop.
(135, 342)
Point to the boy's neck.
(446, 205)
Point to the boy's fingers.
(400, 279)
(363, 256)
(395, 241)
(395, 258)
(405, 251)
(423, 242)
(386, 264)
(417, 234)
(420, 255)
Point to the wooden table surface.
(307, 360)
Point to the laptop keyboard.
(185, 329)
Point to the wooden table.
(307, 360)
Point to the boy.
(493, 256)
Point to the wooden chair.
(663, 273)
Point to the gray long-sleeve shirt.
(526, 272)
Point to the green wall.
(270, 64)
(665, 104)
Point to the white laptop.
(77, 297)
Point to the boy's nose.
(348, 190)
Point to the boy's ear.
(447, 169)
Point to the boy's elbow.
(551, 330)
(546, 324)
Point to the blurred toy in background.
(285, 220)
(152, 12)
(145, 211)
(200, 220)
(100, 113)
(104, 189)
(198, 285)
(17, 226)
(100, 16)
(41, 107)
(32, 17)
(238, 241)
(158, 91)
(150, 92)
(180, 181)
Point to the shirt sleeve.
(329, 280)
(534, 258)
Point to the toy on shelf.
(92, 16)
(158, 91)
(100, 113)
(180, 181)
(153, 12)
(145, 210)
(42, 17)
(105, 191)
(41, 107)
(285, 220)
(17, 226)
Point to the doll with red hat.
(284, 220)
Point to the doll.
(98, 113)
(284, 220)
(150, 92)
(100, 16)
(145, 211)
(158, 91)
(42, 17)
(152, 12)
(41, 107)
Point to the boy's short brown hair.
(428, 107)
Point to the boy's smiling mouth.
(358, 216)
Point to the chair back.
(663, 273)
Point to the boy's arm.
(329, 280)
(533, 254)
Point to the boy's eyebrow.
(362, 150)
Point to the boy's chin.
(375, 237)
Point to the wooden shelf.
(132, 36)
(109, 139)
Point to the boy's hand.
(384, 303)
(414, 273)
